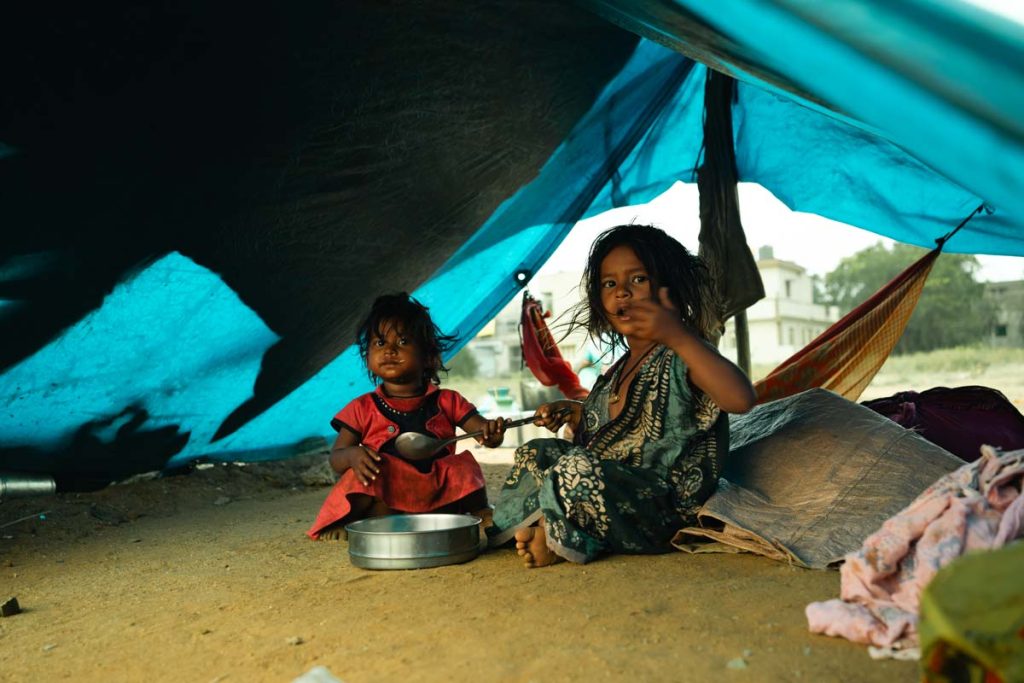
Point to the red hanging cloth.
(541, 354)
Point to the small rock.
(807, 650)
(10, 608)
(49, 646)
(205, 632)
(738, 663)
(107, 515)
(136, 540)
(223, 500)
(747, 653)
(295, 640)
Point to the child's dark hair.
(668, 263)
(413, 318)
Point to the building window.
(789, 292)
(1000, 330)
(792, 332)
(515, 359)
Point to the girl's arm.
(494, 430)
(347, 454)
(714, 374)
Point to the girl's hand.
(652, 320)
(558, 413)
(494, 433)
(365, 463)
(708, 370)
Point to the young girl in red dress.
(402, 349)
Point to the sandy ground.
(208, 577)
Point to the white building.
(1008, 326)
(496, 348)
(782, 323)
(787, 319)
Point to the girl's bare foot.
(333, 534)
(531, 544)
(362, 507)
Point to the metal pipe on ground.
(15, 485)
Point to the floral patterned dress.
(624, 485)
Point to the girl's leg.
(475, 504)
(362, 506)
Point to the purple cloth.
(960, 419)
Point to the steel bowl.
(413, 541)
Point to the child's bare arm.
(494, 430)
(347, 454)
(716, 375)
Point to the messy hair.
(668, 263)
(413, 319)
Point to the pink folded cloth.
(977, 507)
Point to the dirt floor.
(208, 577)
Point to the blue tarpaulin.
(177, 345)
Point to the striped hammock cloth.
(845, 357)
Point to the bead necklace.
(391, 409)
(615, 396)
(382, 402)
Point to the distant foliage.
(969, 361)
(818, 290)
(951, 311)
(463, 365)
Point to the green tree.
(951, 310)
(463, 364)
(818, 290)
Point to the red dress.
(406, 486)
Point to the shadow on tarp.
(101, 451)
(112, 449)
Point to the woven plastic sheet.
(809, 477)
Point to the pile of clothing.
(978, 507)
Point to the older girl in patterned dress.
(648, 441)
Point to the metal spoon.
(416, 446)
